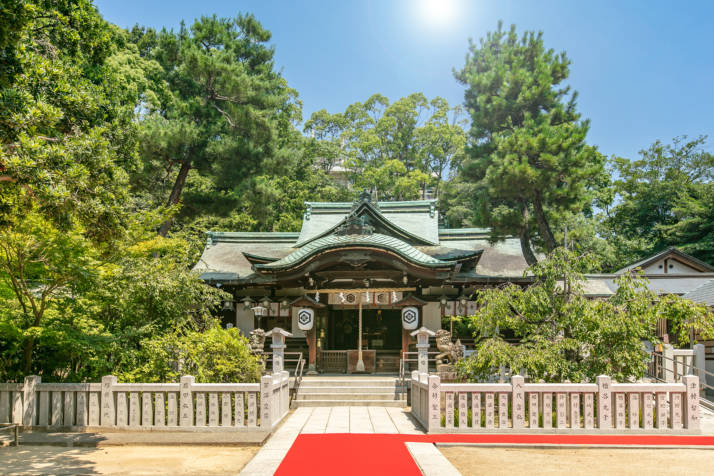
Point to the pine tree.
(527, 164)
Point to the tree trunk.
(525, 236)
(543, 225)
(175, 195)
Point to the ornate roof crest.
(355, 225)
(364, 197)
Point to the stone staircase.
(338, 391)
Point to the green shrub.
(212, 356)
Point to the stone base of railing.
(142, 429)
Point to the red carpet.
(340, 454)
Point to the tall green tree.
(527, 164)
(441, 141)
(397, 149)
(64, 124)
(693, 232)
(663, 198)
(77, 293)
(64, 130)
(225, 112)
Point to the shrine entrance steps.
(349, 391)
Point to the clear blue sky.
(644, 70)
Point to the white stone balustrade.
(146, 406)
(585, 407)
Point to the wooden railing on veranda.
(586, 407)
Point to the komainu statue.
(450, 352)
(257, 341)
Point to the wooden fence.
(146, 406)
(587, 407)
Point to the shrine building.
(360, 277)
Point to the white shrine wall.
(673, 266)
(432, 316)
(296, 331)
(244, 319)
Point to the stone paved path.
(355, 420)
(391, 420)
(360, 420)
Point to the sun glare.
(438, 12)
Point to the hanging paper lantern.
(410, 318)
(305, 318)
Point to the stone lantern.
(278, 347)
(422, 334)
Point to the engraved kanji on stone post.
(518, 402)
(691, 407)
(108, 415)
(604, 402)
(186, 401)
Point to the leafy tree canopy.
(396, 150)
(664, 199)
(562, 335)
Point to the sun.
(438, 12)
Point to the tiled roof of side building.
(703, 294)
(252, 236)
(459, 233)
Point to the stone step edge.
(348, 403)
(351, 382)
(321, 396)
(350, 400)
(303, 385)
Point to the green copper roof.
(375, 240)
(369, 208)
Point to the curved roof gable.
(376, 240)
(381, 224)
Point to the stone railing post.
(108, 409)
(415, 389)
(668, 362)
(518, 407)
(285, 393)
(604, 402)
(691, 408)
(434, 406)
(700, 363)
(278, 346)
(422, 334)
(186, 400)
(28, 400)
(266, 402)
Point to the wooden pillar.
(406, 339)
(360, 363)
(311, 337)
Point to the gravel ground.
(117, 460)
(567, 461)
